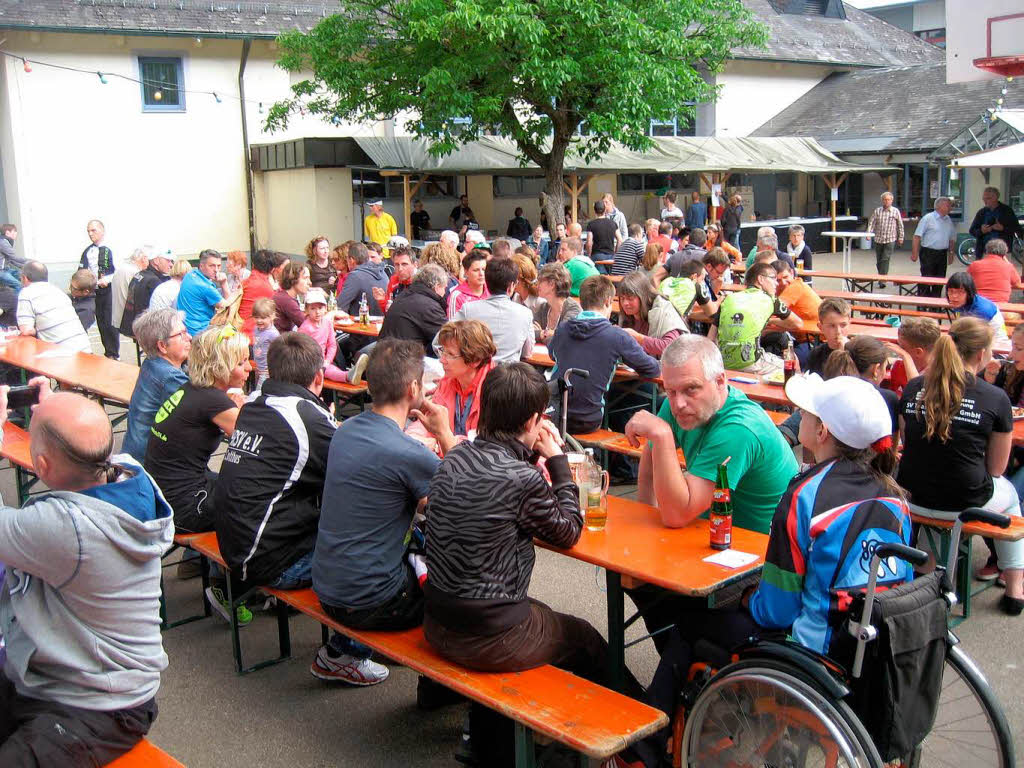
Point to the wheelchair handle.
(979, 515)
(903, 552)
(564, 386)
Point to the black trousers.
(44, 734)
(402, 611)
(109, 335)
(933, 264)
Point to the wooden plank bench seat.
(899, 311)
(342, 392)
(585, 717)
(145, 754)
(17, 450)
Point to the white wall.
(76, 149)
(752, 92)
(930, 15)
(966, 31)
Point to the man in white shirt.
(45, 311)
(935, 241)
(122, 277)
(613, 213)
(511, 324)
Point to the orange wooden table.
(108, 379)
(358, 329)
(635, 543)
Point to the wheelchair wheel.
(759, 714)
(965, 252)
(970, 727)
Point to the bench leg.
(616, 631)
(283, 635)
(164, 623)
(526, 755)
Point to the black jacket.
(267, 502)
(417, 314)
(104, 261)
(140, 291)
(1004, 215)
(519, 228)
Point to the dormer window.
(830, 9)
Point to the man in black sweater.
(99, 260)
(419, 312)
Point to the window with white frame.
(163, 83)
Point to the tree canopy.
(535, 71)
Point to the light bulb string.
(219, 96)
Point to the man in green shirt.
(570, 253)
(710, 421)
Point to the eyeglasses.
(445, 354)
(182, 332)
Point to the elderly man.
(99, 260)
(887, 223)
(142, 285)
(994, 221)
(711, 422)
(451, 238)
(419, 313)
(46, 312)
(378, 225)
(122, 279)
(994, 276)
(80, 608)
(203, 291)
(934, 241)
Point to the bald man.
(80, 603)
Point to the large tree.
(532, 70)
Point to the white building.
(82, 137)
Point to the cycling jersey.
(741, 318)
(683, 292)
(825, 531)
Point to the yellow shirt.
(380, 229)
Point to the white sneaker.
(347, 669)
(355, 376)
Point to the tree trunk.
(554, 184)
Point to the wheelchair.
(780, 705)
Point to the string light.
(28, 67)
(103, 79)
(216, 97)
(158, 95)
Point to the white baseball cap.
(397, 241)
(316, 296)
(476, 236)
(376, 202)
(852, 409)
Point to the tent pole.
(830, 180)
(406, 197)
(575, 196)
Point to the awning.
(704, 154)
(1003, 157)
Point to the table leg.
(616, 631)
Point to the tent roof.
(1003, 157)
(498, 155)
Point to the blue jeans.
(11, 277)
(299, 575)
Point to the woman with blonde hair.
(318, 258)
(554, 284)
(188, 427)
(957, 432)
(526, 286)
(654, 257)
(339, 262)
(165, 295)
(648, 316)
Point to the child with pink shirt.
(320, 327)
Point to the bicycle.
(781, 705)
(966, 252)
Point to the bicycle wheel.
(1017, 249)
(756, 714)
(966, 250)
(970, 727)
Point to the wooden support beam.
(574, 192)
(415, 190)
(832, 185)
(390, 173)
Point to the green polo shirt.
(580, 268)
(762, 463)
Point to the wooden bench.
(145, 754)
(17, 450)
(341, 392)
(589, 719)
(938, 533)
(898, 311)
(181, 541)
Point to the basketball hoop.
(1004, 66)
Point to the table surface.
(860, 276)
(845, 233)
(358, 329)
(110, 379)
(635, 543)
(16, 446)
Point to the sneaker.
(988, 572)
(355, 376)
(220, 604)
(882, 284)
(347, 669)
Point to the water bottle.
(364, 310)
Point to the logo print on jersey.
(889, 564)
(169, 405)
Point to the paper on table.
(58, 352)
(540, 349)
(731, 558)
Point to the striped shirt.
(628, 257)
(48, 309)
(887, 224)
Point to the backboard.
(984, 39)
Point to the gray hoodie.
(80, 604)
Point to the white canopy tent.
(1003, 157)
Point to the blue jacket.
(157, 381)
(363, 279)
(592, 343)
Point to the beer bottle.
(788, 361)
(721, 510)
(364, 311)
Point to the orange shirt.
(994, 277)
(732, 250)
(802, 299)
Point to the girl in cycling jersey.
(826, 528)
